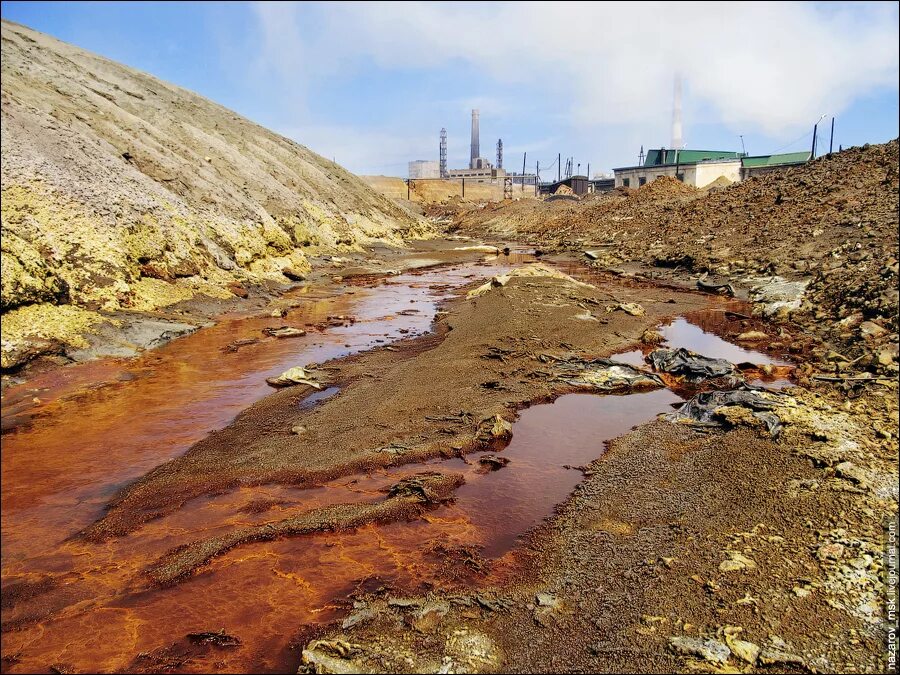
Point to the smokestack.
(476, 152)
(677, 140)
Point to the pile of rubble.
(829, 226)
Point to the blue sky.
(370, 85)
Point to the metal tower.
(443, 155)
(499, 153)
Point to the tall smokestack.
(677, 140)
(476, 152)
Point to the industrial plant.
(480, 169)
(697, 168)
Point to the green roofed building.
(700, 168)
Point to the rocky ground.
(713, 547)
(829, 227)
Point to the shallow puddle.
(692, 334)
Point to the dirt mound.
(121, 191)
(564, 190)
(831, 223)
(665, 186)
(718, 183)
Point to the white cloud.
(363, 151)
(768, 68)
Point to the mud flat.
(545, 534)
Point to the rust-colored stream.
(78, 606)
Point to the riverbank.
(651, 546)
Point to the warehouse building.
(699, 168)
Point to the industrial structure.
(480, 169)
(424, 168)
(699, 168)
(443, 154)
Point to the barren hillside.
(830, 225)
(120, 191)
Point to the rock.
(358, 616)
(736, 563)
(494, 428)
(632, 308)
(704, 648)
(493, 462)
(871, 329)
(607, 375)
(293, 274)
(652, 337)
(546, 609)
(470, 651)
(591, 255)
(752, 336)
(332, 656)
(539, 270)
(775, 657)
(887, 355)
(851, 472)
(746, 651)
(219, 638)
(284, 332)
(299, 429)
(184, 268)
(293, 376)
(546, 600)
(278, 313)
(238, 290)
(830, 552)
(429, 616)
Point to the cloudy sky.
(371, 84)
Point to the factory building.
(424, 168)
(700, 168)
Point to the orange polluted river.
(73, 606)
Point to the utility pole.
(815, 136)
(524, 155)
(558, 167)
(743, 149)
(812, 152)
(589, 171)
(831, 142)
(537, 177)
